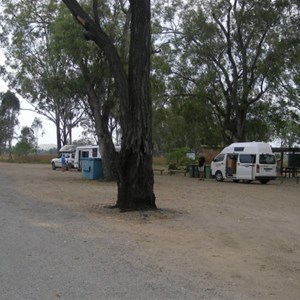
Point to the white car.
(56, 162)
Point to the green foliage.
(23, 149)
(226, 57)
(84, 141)
(285, 125)
(26, 144)
(9, 112)
(41, 73)
(178, 157)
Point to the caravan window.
(85, 154)
(267, 159)
(95, 152)
(247, 158)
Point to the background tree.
(26, 143)
(38, 129)
(9, 111)
(100, 100)
(287, 126)
(42, 76)
(229, 56)
(135, 175)
(181, 115)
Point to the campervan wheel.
(219, 176)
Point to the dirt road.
(208, 240)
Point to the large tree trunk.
(135, 174)
(135, 186)
(240, 126)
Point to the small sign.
(191, 155)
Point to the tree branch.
(102, 40)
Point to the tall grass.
(39, 159)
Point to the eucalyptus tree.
(99, 100)
(9, 111)
(27, 142)
(38, 129)
(230, 55)
(286, 116)
(135, 174)
(34, 70)
(286, 125)
(181, 115)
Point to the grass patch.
(38, 159)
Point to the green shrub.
(178, 158)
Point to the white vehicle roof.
(117, 147)
(68, 148)
(248, 147)
(87, 147)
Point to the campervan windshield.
(218, 158)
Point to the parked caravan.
(85, 152)
(245, 161)
(88, 151)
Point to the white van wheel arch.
(219, 176)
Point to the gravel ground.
(208, 240)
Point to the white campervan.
(85, 152)
(245, 161)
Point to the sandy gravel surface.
(224, 240)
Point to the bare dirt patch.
(242, 239)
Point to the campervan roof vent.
(238, 149)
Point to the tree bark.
(135, 189)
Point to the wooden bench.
(171, 171)
(159, 170)
(290, 172)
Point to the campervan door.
(245, 169)
(234, 165)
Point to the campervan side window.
(267, 159)
(85, 154)
(220, 157)
(247, 158)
